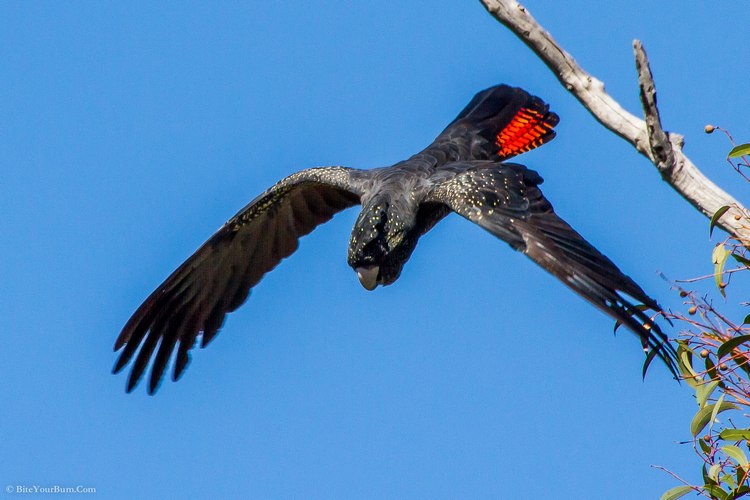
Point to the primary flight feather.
(462, 171)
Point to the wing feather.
(195, 299)
(505, 200)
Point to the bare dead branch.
(658, 140)
(663, 149)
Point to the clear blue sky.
(130, 132)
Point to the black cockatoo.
(462, 171)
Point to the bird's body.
(462, 171)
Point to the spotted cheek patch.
(527, 130)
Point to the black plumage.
(462, 171)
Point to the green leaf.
(742, 260)
(715, 492)
(685, 365)
(719, 259)
(738, 151)
(715, 411)
(734, 434)
(713, 472)
(705, 447)
(706, 478)
(676, 492)
(711, 370)
(685, 358)
(729, 480)
(728, 346)
(736, 454)
(746, 320)
(647, 363)
(704, 391)
(717, 215)
(703, 417)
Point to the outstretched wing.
(498, 123)
(505, 200)
(218, 277)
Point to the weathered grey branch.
(658, 140)
(663, 149)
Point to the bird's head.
(381, 242)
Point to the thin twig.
(698, 490)
(707, 276)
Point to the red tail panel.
(527, 130)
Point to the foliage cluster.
(714, 360)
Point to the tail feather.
(501, 122)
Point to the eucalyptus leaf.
(704, 391)
(719, 259)
(711, 370)
(715, 411)
(647, 363)
(716, 492)
(685, 365)
(701, 419)
(736, 453)
(728, 346)
(734, 434)
(676, 492)
(713, 472)
(729, 480)
(738, 151)
(742, 260)
(717, 215)
(706, 478)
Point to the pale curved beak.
(368, 276)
